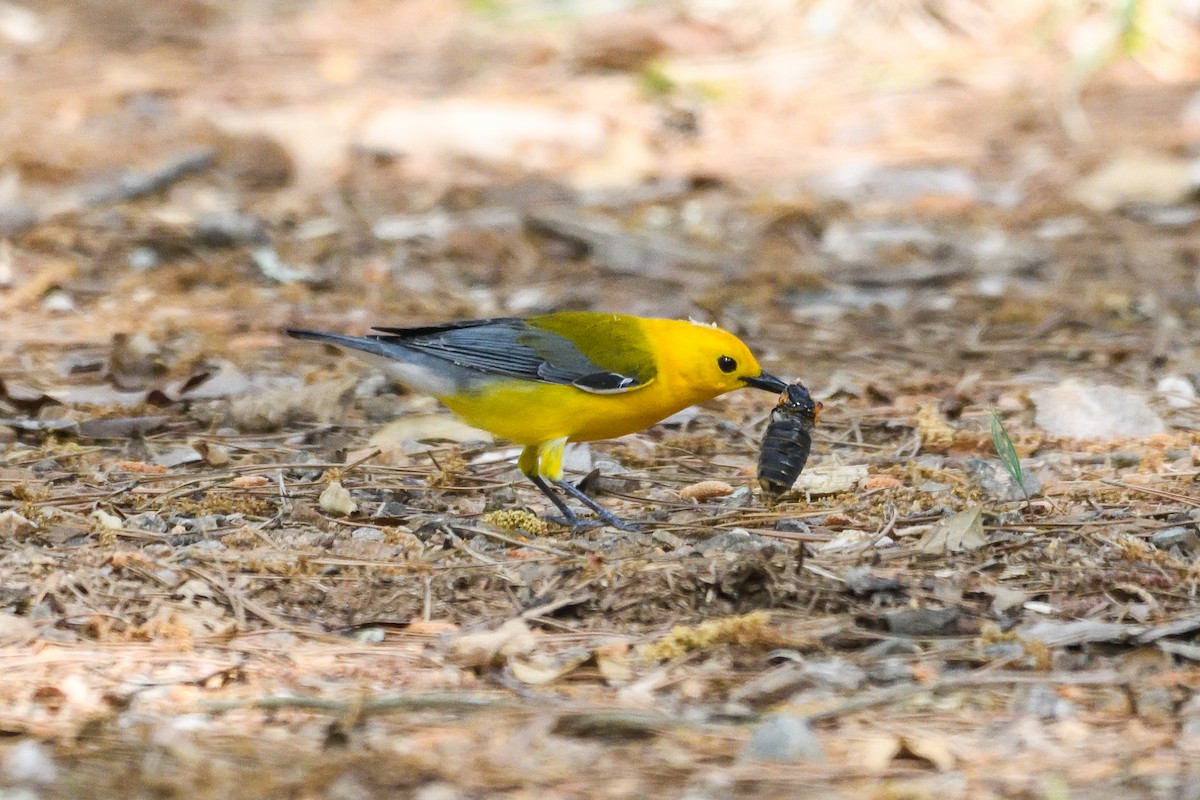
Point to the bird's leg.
(542, 464)
(606, 516)
(528, 464)
(569, 517)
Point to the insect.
(788, 440)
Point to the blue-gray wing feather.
(509, 347)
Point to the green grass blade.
(1007, 452)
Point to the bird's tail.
(363, 343)
(421, 371)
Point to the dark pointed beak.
(766, 382)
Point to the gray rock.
(735, 541)
(863, 580)
(1182, 536)
(147, 521)
(835, 673)
(997, 484)
(367, 535)
(890, 670)
(784, 738)
(923, 621)
(229, 228)
(1041, 701)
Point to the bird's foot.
(580, 524)
(620, 524)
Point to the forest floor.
(232, 564)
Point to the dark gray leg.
(606, 516)
(569, 517)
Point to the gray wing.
(509, 347)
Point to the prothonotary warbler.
(573, 376)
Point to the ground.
(233, 563)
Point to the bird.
(570, 376)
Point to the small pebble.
(367, 535)
(890, 670)
(835, 673)
(58, 302)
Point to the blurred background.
(933, 212)
(493, 156)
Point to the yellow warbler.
(573, 376)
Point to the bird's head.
(713, 361)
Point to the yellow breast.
(532, 413)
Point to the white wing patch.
(414, 376)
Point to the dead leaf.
(830, 479)
(923, 621)
(880, 482)
(430, 627)
(879, 751)
(336, 500)
(1004, 598)
(256, 482)
(106, 520)
(134, 362)
(14, 628)
(706, 490)
(14, 525)
(215, 455)
(963, 531)
(270, 410)
(491, 648)
(1078, 410)
(612, 661)
(29, 401)
(141, 467)
(120, 427)
(539, 671)
(934, 750)
(408, 433)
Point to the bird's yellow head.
(707, 361)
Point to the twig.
(134, 184)
(893, 515)
(897, 693)
(238, 601)
(1180, 498)
(514, 542)
(434, 701)
(555, 605)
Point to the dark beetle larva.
(787, 441)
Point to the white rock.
(29, 762)
(1178, 391)
(20, 25)
(13, 524)
(1136, 178)
(336, 500)
(491, 132)
(1077, 410)
(783, 738)
(577, 457)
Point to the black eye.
(726, 364)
